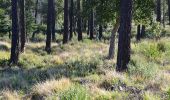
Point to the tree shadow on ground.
(23, 79)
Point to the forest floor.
(80, 71)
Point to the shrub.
(142, 69)
(154, 31)
(152, 51)
(76, 92)
(82, 67)
(161, 47)
(31, 60)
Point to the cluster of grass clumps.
(142, 69)
(75, 92)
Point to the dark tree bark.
(163, 13)
(15, 34)
(143, 31)
(138, 36)
(36, 11)
(66, 22)
(169, 10)
(88, 27)
(79, 21)
(22, 24)
(124, 48)
(158, 11)
(100, 32)
(49, 27)
(91, 24)
(112, 39)
(71, 19)
(53, 21)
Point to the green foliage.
(153, 51)
(150, 96)
(142, 69)
(168, 94)
(82, 67)
(154, 31)
(161, 47)
(76, 92)
(143, 11)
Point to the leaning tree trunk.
(123, 56)
(49, 27)
(15, 34)
(22, 25)
(158, 11)
(138, 36)
(92, 25)
(66, 21)
(53, 21)
(112, 40)
(71, 19)
(79, 22)
(169, 10)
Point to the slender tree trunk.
(158, 11)
(124, 48)
(88, 28)
(15, 34)
(163, 13)
(112, 39)
(79, 22)
(22, 24)
(66, 19)
(53, 21)
(143, 31)
(138, 36)
(100, 32)
(36, 11)
(91, 24)
(49, 27)
(169, 10)
(71, 19)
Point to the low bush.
(153, 51)
(142, 69)
(76, 92)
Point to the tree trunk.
(123, 56)
(143, 31)
(91, 24)
(163, 13)
(66, 19)
(36, 11)
(15, 34)
(100, 32)
(49, 27)
(169, 10)
(22, 25)
(112, 39)
(53, 21)
(138, 36)
(88, 28)
(79, 22)
(158, 11)
(71, 19)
